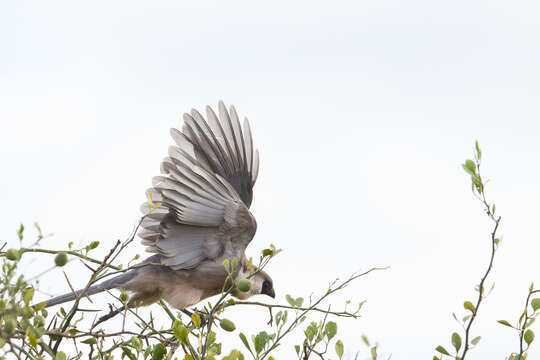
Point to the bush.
(31, 332)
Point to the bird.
(196, 217)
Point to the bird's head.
(261, 283)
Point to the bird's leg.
(187, 312)
(190, 314)
(271, 317)
(111, 314)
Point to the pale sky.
(362, 111)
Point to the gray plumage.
(199, 215)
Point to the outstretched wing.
(222, 146)
(204, 192)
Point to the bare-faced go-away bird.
(203, 217)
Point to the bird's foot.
(113, 312)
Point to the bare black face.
(268, 289)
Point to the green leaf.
(330, 330)
(234, 355)
(127, 352)
(28, 295)
(535, 303)
(311, 330)
(373, 352)
(260, 341)
(505, 323)
(39, 321)
(180, 332)
(469, 306)
(211, 338)
(196, 319)
(360, 305)
(158, 352)
(40, 306)
(60, 355)
(136, 343)
(278, 317)
(476, 340)
(267, 252)
(234, 262)
(294, 302)
(27, 312)
(477, 182)
(89, 341)
(147, 352)
(456, 341)
(36, 225)
(215, 349)
(245, 341)
(290, 300)
(478, 151)
(32, 339)
(297, 349)
(442, 350)
(365, 340)
(470, 167)
(339, 349)
(286, 315)
(20, 235)
(528, 336)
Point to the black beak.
(268, 289)
(270, 292)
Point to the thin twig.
(490, 213)
(345, 314)
(324, 296)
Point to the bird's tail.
(116, 282)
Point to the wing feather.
(255, 171)
(248, 142)
(226, 123)
(199, 207)
(239, 137)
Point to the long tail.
(116, 282)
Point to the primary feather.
(205, 191)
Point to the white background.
(363, 112)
